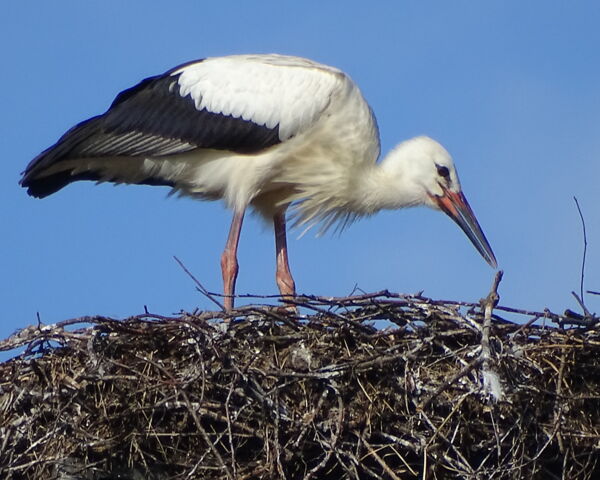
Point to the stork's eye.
(443, 171)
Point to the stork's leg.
(229, 264)
(283, 276)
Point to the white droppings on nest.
(492, 385)
(301, 358)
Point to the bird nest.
(440, 390)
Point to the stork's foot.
(229, 268)
(288, 310)
(286, 285)
(283, 275)
(285, 282)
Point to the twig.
(380, 460)
(455, 408)
(203, 433)
(525, 326)
(199, 286)
(229, 429)
(558, 408)
(334, 436)
(582, 305)
(580, 299)
(573, 318)
(463, 371)
(465, 463)
(491, 383)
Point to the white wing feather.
(252, 87)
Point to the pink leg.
(283, 276)
(229, 264)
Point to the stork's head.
(426, 172)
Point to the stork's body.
(266, 131)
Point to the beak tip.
(455, 205)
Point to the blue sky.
(512, 89)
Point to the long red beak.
(455, 205)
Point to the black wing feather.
(150, 119)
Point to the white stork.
(267, 131)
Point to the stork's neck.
(341, 192)
(382, 186)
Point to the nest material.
(324, 395)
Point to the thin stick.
(380, 460)
(199, 286)
(457, 376)
(583, 259)
(491, 383)
(581, 304)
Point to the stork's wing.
(239, 103)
